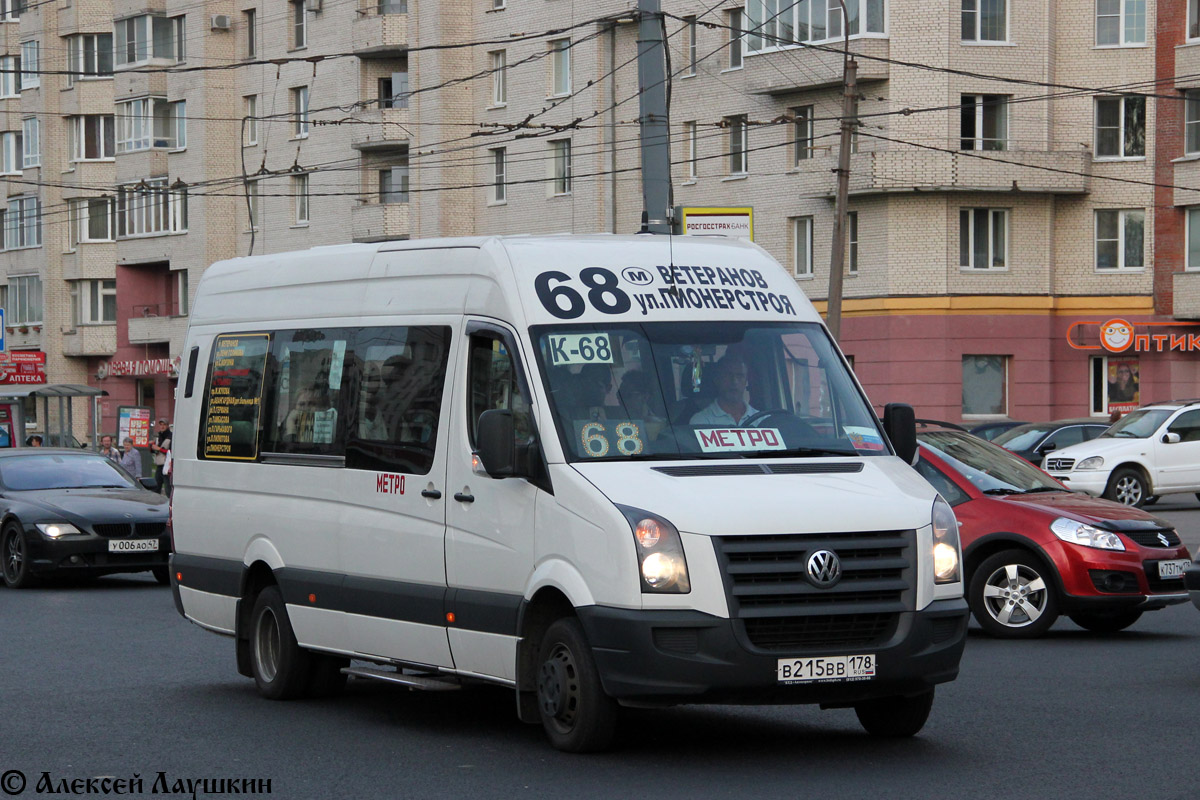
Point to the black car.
(70, 512)
(990, 430)
(1035, 439)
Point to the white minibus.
(603, 471)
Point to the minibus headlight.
(56, 529)
(661, 560)
(945, 543)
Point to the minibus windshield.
(697, 390)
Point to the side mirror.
(1047, 447)
(494, 443)
(148, 483)
(1171, 438)
(900, 425)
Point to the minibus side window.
(306, 391)
(395, 382)
(494, 385)
(233, 397)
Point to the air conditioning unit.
(220, 22)
(312, 5)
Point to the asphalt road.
(105, 679)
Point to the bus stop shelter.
(62, 394)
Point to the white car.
(1150, 452)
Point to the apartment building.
(1020, 177)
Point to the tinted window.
(232, 414)
(495, 385)
(989, 468)
(52, 471)
(1187, 425)
(1065, 437)
(945, 487)
(1022, 437)
(1092, 431)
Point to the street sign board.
(734, 222)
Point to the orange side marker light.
(450, 617)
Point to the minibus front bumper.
(670, 657)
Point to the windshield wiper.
(1002, 491)
(1038, 489)
(801, 451)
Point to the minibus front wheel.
(576, 713)
(282, 669)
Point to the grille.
(1150, 538)
(945, 629)
(151, 528)
(1060, 464)
(113, 530)
(769, 591)
(703, 470)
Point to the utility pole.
(837, 259)
(652, 121)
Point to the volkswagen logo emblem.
(824, 568)
(1165, 541)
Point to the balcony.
(377, 222)
(1187, 174)
(909, 170)
(1187, 295)
(381, 129)
(158, 324)
(800, 69)
(24, 337)
(90, 340)
(1187, 66)
(380, 35)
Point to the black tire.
(327, 678)
(576, 713)
(895, 717)
(162, 575)
(1128, 487)
(1106, 622)
(1013, 596)
(282, 670)
(15, 558)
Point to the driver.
(730, 407)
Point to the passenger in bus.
(591, 387)
(313, 417)
(371, 423)
(642, 401)
(730, 407)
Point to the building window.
(141, 38)
(10, 11)
(300, 112)
(689, 135)
(984, 122)
(735, 39)
(31, 148)
(1120, 22)
(25, 300)
(1120, 127)
(985, 20)
(170, 124)
(393, 90)
(31, 65)
(739, 161)
(560, 67)
(802, 134)
(1193, 19)
(852, 242)
(1120, 239)
(497, 5)
(299, 25)
(10, 76)
(151, 122)
(250, 23)
(689, 27)
(90, 55)
(983, 238)
(300, 193)
(250, 112)
(151, 208)
(771, 24)
(1191, 124)
(95, 302)
(802, 247)
(561, 166)
(23, 225)
(1115, 385)
(984, 385)
(10, 153)
(499, 175)
(1193, 238)
(254, 204)
(393, 184)
(393, 6)
(93, 219)
(178, 285)
(499, 77)
(91, 137)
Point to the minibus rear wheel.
(895, 717)
(282, 669)
(576, 713)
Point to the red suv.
(1033, 550)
